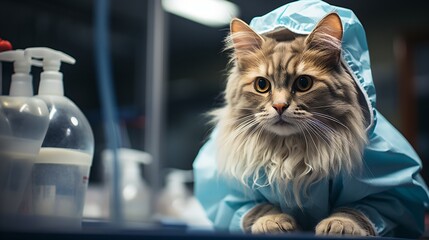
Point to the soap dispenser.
(135, 192)
(61, 171)
(23, 125)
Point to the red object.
(5, 45)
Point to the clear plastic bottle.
(61, 171)
(23, 125)
(135, 192)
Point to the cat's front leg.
(346, 222)
(266, 218)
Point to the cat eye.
(303, 83)
(262, 85)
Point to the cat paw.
(274, 223)
(340, 226)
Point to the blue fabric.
(391, 193)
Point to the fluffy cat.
(292, 115)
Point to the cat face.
(292, 112)
(292, 86)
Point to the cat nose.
(280, 107)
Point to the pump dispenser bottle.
(61, 171)
(23, 125)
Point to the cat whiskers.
(304, 129)
(335, 120)
(331, 130)
(243, 125)
(241, 120)
(313, 126)
(326, 132)
(330, 106)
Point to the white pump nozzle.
(22, 81)
(51, 79)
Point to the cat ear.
(326, 37)
(243, 38)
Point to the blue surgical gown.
(390, 192)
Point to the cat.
(292, 115)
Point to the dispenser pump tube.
(51, 79)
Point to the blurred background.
(194, 66)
